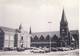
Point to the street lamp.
(50, 37)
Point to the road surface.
(58, 53)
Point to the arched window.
(22, 45)
(54, 38)
(48, 38)
(15, 40)
(35, 38)
(41, 37)
(76, 36)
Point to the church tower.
(64, 31)
(30, 32)
(21, 37)
(30, 35)
(20, 27)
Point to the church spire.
(20, 26)
(30, 32)
(63, 19)
(64, 31)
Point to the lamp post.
(50, 37)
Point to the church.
(62, 38)
(18, 38)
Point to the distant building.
(14, 38)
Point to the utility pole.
(50, 37)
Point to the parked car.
(54, 49)
(37, 50)
(47, 50)
(63, 49)
(8, 49)
(27, 51)
(20, 49)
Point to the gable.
(45, 34)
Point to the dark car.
(20, 49)
(59, 49)
(7, 49)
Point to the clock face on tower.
(63, 32)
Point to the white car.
(37, 50)
(64, 48)
(27, 51)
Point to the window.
(47, 37)
(22, 38)
(21, 42)
(54, 38)
(35, 38)
(21, 45)
(42, 37)
(11, 37)
(15, 40)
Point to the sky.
(37, 14)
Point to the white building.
(14, 38)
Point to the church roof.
(51, 34)
(6, 29)
(63, 19)
(74, 32)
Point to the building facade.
(62, 38)
(64, 31)
(14, 38)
